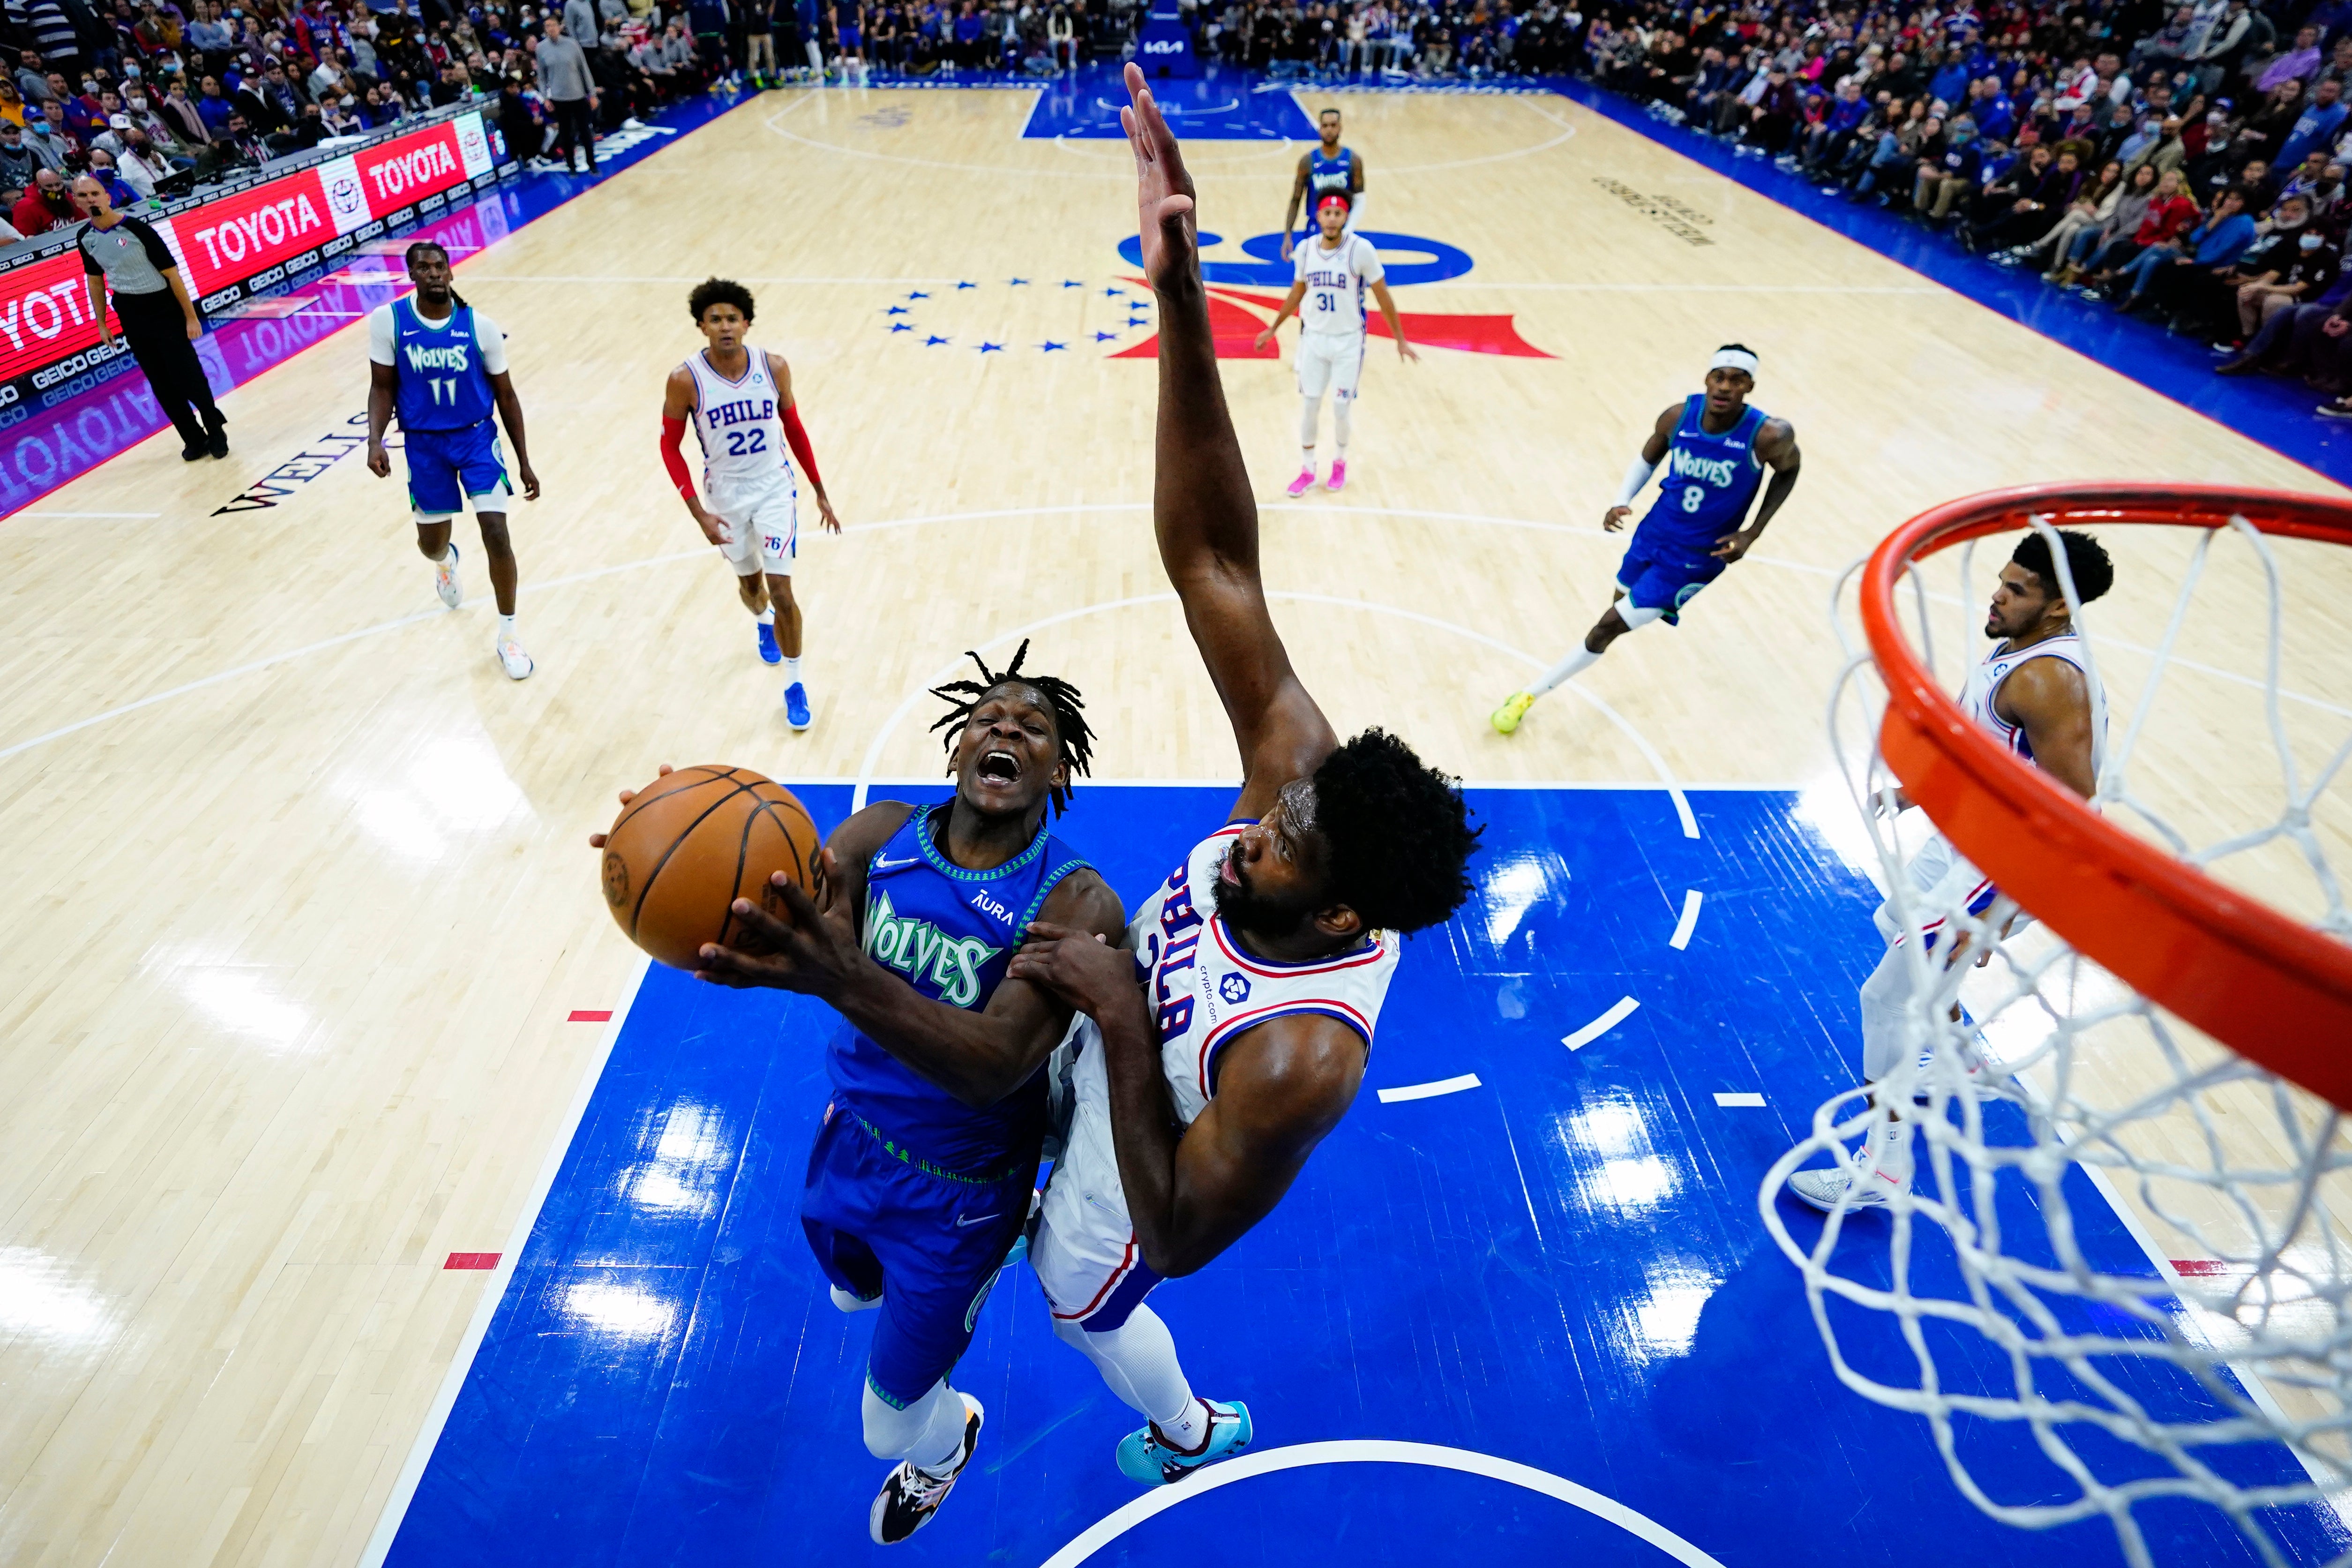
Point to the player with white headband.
(1713, 448)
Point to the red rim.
(2276, 992)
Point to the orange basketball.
(693, 842)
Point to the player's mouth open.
(1000, 767)
(1229, 869)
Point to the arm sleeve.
(673, 436)
(1635, 478)
(493, 344)
(800, 444)
(379, 335)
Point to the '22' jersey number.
(744, 443)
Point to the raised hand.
(809, 952)
(1163, 191)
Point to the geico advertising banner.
(260, 233)
(44, 314)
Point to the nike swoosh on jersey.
(975, 1219)
(894, 865)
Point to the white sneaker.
(444, 579)
(631, 123)
(517, 663)
(1825, 1190)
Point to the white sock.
(506, 625)
(1583, 658)
(929, 1432)
(766, 617)
(448, 555)
(1343, 420)
(791, 672)
(1887, 1152)
(1138, 1361)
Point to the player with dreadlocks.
(1198, 1094)
(924, 1167)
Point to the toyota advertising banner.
(241, 243)
(247, 241)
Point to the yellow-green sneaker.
(1506, 718)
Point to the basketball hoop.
(2121, 1021)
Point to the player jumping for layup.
(2035, 691)
(1198, 1096)
(1327, 294)
(922, 1172)
(1715, 446)
(443, 364)
(1326, 169)
(741, 400)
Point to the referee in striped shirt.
(159, 320)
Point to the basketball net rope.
(2133, 1382)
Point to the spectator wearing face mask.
(44, 206)
(2294, 262)
(17, 162)
(1946, 179)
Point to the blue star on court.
(1106, 337)
(1072, 283)
(918, 294)
(934, 341)
(1050, 347)
(1015, 282)
(1114, 294)
(902, 326)
(992, 348)
(896, 310)
(962, 286)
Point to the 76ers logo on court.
(1234, 988)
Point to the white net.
(2118, 1278)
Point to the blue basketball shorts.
(1658, 575)
(927, 1242)
(448, 468)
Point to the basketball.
(691, 843)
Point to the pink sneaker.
(1338, 475)
(1304, 482)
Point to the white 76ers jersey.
(740, 425)
(1204, 992)
(1335, 282)
(1984, 685)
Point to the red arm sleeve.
(799, 439)
(673, 436)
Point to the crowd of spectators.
(2182, 163)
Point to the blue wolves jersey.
(1324, 176)
(1707, 480)
(950, 932)
(441, 385)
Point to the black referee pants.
(573, 127)
(158, 335)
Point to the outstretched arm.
(1289, 308)
(1201, 504)
(1290, 213)
(1776, 447)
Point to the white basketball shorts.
(1943, 882)
(761, 529)
(1331, 360)
(1084, 1250)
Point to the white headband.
(1734, 359)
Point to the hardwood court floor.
(299, 901)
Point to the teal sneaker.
(1146, 1457)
